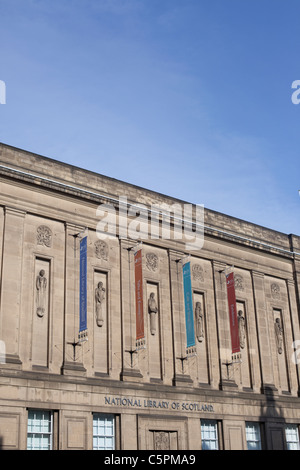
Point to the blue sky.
(190, 98)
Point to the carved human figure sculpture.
(199, 322)
(41, 297)
(152, 309)
(279, 335)
(99, 298)
(241, 326)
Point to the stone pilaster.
(265, 354)
(130, 353)
(73, 350)
(181, 377)
(227, 367)
(295, 333)
(12, 271)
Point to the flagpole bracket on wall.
(227, 270)
(182, 359)
(138, 246)
(131, 352)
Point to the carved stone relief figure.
(241, 325)
(161, 440)
(278, 334)
(99, 298)
(44, 236)
(152, 309)
(199, 322)
(41, 312)
(101, 250)
(41, 291)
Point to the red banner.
(140, 334)
(234, 328)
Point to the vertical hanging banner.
(234, 327)
(83, 291)
(138, 272)
(189, 311)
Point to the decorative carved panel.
(161, 440)
(165, 440)
(152, 262)
(238, 282)
(275, 291)
(197, 272)
(101, 250)
(44, 236)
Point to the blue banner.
(83, 286)
(188, 304)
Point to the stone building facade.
(59, 393)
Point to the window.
(40, 430)
(209, 435)
(103, 432)
(253, 437)
(292, 437)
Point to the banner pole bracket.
(227, 364)
(74, 344)
(227, 270)
(131, 352)
(182, 358)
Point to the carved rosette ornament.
(197, 272)
(275, 291)
(238, 282)
(101, 250)
(44, 236)
(152, 262)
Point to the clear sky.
(190, 98)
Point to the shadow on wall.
(272, 417)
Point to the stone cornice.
(99, 198)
